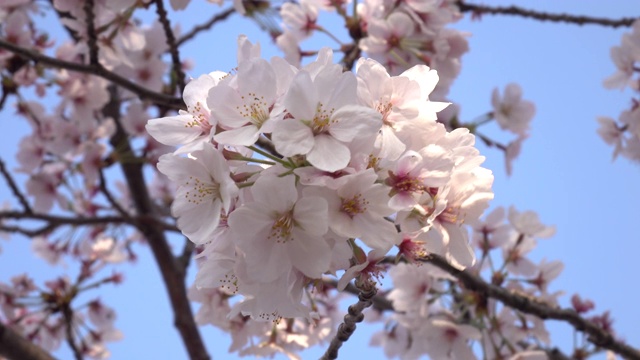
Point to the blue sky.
(564, 173)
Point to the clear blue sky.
(564, 173)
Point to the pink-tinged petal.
(256, 76)
(344, 92)
(248, 222)
(216, 272)
(225, 102)
(353, 121)
(402, 201)
(378, 197)
(267, 261)
(198, 222)
(174, 130)
(350, 274)
(279, 194)
(309, 254)
(197, 90)
(342, 224)
(426, 77)
(302, 98)
(329, 154)
(242, 136)
(178, 168)
(390, 146)
(377, 232)
(401, 24)
(310, 214)
(407, 162)
(292, 137)
(460, 253)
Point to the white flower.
(357, 210)
(278, 231)
(192, 127)
(324, 118)
(205, 189)
(511, 111)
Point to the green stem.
(267, 155)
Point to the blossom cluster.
(355, 156)
(45, 315)
(422, 297)
(624, 133)
(398, 34)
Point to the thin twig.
(68, 319)
(206, 26)
(92, 37)
(107, 194)
(596, 335)
(14, 188)
(141, 91)
(171, 43)
(353, 317)
(543, 16)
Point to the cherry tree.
(336, 182)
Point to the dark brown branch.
(56, 221)
(15, 347)
(68, 319)
(171, 274)
(206, 26)
(350, 56)
(185, 258)
(63, 220)
(92, 37)
(353, 317)
(542, 16)
(144, 93)
(171, 43)
(596, 335)
(14, 188)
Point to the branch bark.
(543, 16)
(13, 346)
(596, 335)
(144, 93)
(167, 263)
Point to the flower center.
(201, 191)
(355, 205)
(200, 118)
(256, 110)
(322, 120)
(281, 229)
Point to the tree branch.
(14, 188)
(206, 26)
(353, 317)
(171, 43)
(596, 335)
(169, 268)
(542, 16)
(15, 347)
(92, 37)
(141, 91)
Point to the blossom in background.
(511, 111)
